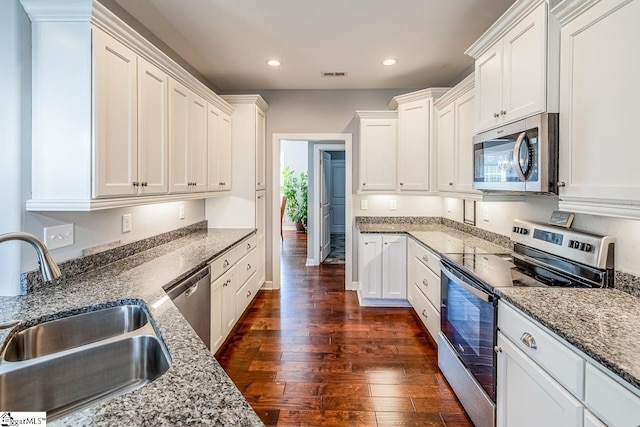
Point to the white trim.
(568, 10)
(267, 285)
(376, 114)
(458, 90)
(345, 138)
(311, 262)
(419, 95)
(317, 149)
(247, 99)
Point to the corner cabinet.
(115, 122)
(377, 145)
(598, 169)
(516, 68)
(382, 266)
(455, 112)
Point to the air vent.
(334, 74)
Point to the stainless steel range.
(544, 256)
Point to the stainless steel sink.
(74, 331)
(112, 360)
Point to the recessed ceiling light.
(274, 63)
(390, 61)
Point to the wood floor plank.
(309, 355)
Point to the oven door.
(468, 320)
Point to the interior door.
(337, 195)
(325, 205)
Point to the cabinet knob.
(386, 243)
(366, 243)
(364, 183)
(424, 313)
(497, 349)
(248, 294)
(259, 183)
(425, 282)
(144, 184)
(248, 266)
(451, 184)
(496, 115)
(248, 246)
(402, 183)
(136, 183)
(425, 258)
(528, 340)
(225, 264)
(561, 184)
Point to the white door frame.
(318, 149)
(339, 138)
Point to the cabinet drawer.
(610, 401)
(427, 281)
(246, 267)
(223, 263)
(429, 258)
(552, 355)
(247, 245)
(426, 312)
(245, 294)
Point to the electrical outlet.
(394, 205)
(126, 223)
(181, 214)
(485, 214)
(58, 236)
(364, 204)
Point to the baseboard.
(267, 285)
(353, 287)
(311, 262)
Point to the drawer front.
(426, 312)
(246, 267)
(427, 281)
(610, 401)
(429, 258)
(245, 294)
(551, 354)
(247, 245)
(223, 263)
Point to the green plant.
(295, 189)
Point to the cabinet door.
(261, 180)
(591, 420)
(598, 122)
(464, 131)
(225, 159)
(152, 129)
(116, 121)
(446, 147)
(527, 396)
(370, 269)
(217, 329)
(179, 153)
(214, 117)
(525, 66)
(198, 160)
(378, 154)
(488, 79)
(394, 267)
(228, 310)
(413, 145)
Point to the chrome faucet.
(48, 266)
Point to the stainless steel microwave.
(520, 156)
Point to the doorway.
(331, 206)
(318, 143)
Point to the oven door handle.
(484, 296)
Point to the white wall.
(294, 154)
(380, 205)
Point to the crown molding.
(419, 95)
(57, 11)
(568, 10)
(247, 99)
(375, 114)
(464, 86)
(506, 22)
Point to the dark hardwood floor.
(309, 355)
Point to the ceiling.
(229, 41)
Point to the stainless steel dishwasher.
(193, 298)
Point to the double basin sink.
(63, 365)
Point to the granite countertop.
(195, 390)
(602, 323)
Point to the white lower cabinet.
(383, 268)
(423, 267)
(612, 402)
(527, 396)
(591, 420)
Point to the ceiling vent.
(334, 74)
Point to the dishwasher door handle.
(191, 290)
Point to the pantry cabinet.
(378, 152)
(133, 125)
(455, 130)
(516, 69)
(598, 170)
(383, 268)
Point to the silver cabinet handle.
(248, 246)
(225, 264)
(425, 258)
(366, 243)
(561, 184)
(136, 183)
(248, 294)
(503, 112)
(451, 183)
(402, 183)
(248, 266)
(386, 243)
(496, 115)
(424, 313)
(425, 282)
(528, 340)
(497, 349)
(364, 183)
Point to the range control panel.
(578, 246)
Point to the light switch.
(364, 204)
(58, 236)
(394, 205)
(485, 214)
(181, 213)
(126, 223)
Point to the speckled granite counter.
(603, 323)
(195, 390)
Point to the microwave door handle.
(516, 155)
(477, 292)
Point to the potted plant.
(295, 189)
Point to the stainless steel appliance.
(520, 157)
(193, 298)
(543, 256)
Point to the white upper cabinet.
(378, 134)
(516, 71)
(110, 128)
(261, 178)
(599, 108)
(219, 146)
(456, 125)
(116, 140)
